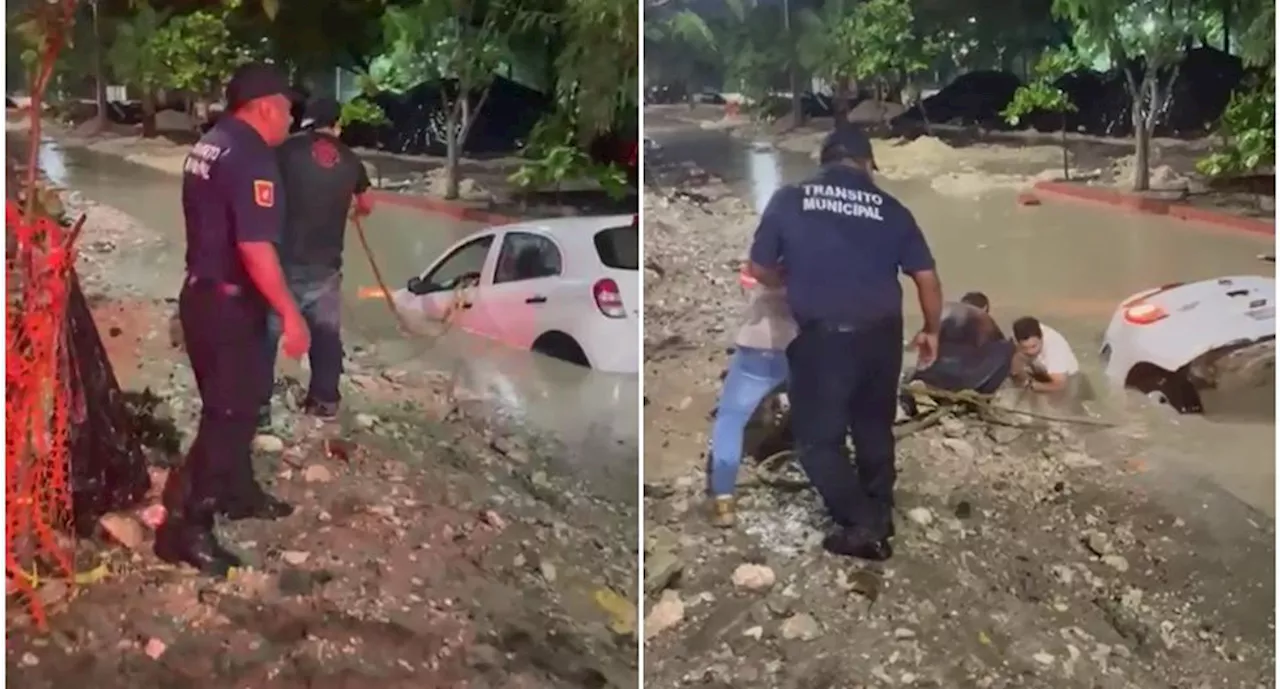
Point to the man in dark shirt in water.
(973, 353)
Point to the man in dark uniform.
(973, 353)
(233, 208)
(837, 243)
(324, 181)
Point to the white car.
(1171, 342)
(568, 288)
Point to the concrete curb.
(1134, 203)
(453, 209)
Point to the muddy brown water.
(592, 415)
(1069, 265)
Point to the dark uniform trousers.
(844, 383)
(224, 326)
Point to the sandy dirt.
(429, 549)
(1032, 554)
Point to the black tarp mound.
(1206, 79)
(973, 98)
(417, 120)
(108, 466)
(813, 105)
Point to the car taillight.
(608, 298)
(1144, 314)
(1147, 295)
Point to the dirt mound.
(173, 121)
(872, 111)
(927, 147)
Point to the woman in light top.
(757, 370)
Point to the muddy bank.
(1028, 555)
(429, 549)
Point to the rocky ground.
(429, 549)
(964, 162)
(1033, 554)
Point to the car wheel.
(1169, 389)
(558, 345)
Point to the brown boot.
(724, 512)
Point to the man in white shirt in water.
(1044, 362)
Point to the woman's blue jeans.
(754, 374)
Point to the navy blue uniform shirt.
(840, 242)
(230, 194)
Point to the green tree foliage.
(1248, 126)
(888, 49)
(1146, 38)
(134, 58)
(680, 43)
(1248, 130)
(199, 50)
(991, 34)
(828, 47)
(598, 66)
(442, 39)
(1041, 94)
(362, 110)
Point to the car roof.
(573, 233)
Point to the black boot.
(187, 536)
(859, 543)
(257, 504)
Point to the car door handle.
(539, 299)
(465, 304)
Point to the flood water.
(593, 415)
(1069, 265)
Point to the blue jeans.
(320, 301)
(754, 374)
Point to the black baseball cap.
(322, 112)
(847, 142)
(257, 80)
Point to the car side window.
(466, 261)
(526, 256)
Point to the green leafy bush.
(1248, 128)
(362, 110)
(554, 157)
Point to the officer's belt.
(229, 289)
(848, 327)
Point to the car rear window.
(619, 247)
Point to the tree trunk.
(797, 103)
(1066, 162)
(840, 100)
(99, 71)
(149, 129)
(1142, 148)
(453, 134)
(1227, 11)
